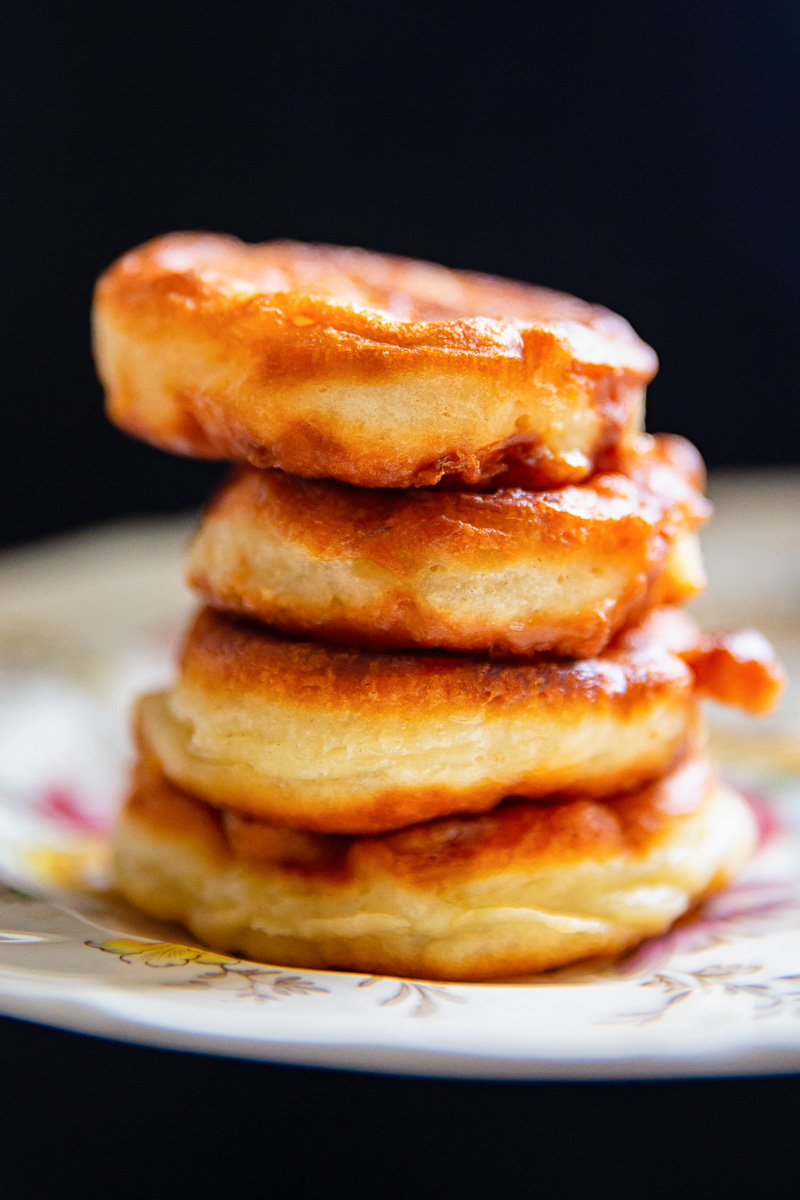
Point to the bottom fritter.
(527, 887)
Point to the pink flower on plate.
(61, 804)
(766, 814)
(743, 908)
(746, 908)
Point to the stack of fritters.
(440, 714)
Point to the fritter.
(379, 371)
(510, 572)
(525, 888)
(344, 741)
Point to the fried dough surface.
(343, 741)
(524, 888)
(339, 363)
(510, 572)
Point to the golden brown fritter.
(337, 740)
(524, 888)
(375, 370)
(511, 572)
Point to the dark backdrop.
(645, 156)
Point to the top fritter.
(379, 371)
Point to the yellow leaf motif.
(159, 954)
(237, 979)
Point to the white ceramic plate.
(88, 622)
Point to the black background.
(645, 156)
(80, 1116)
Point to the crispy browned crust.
(380, 371)
(736, 667)
(226, 659)
(606, 544)
(175, 852)
(229, 659)
(739, 668)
